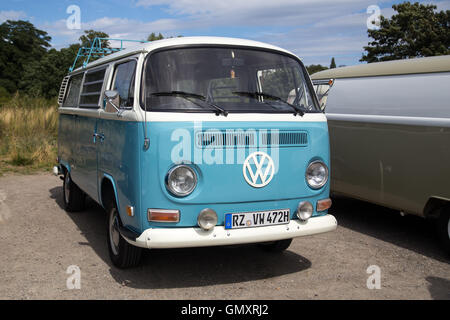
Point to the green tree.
(20, 43)
(315, 68)
(153, 37)
(333, 63)
(417, 30)
(90, 35)
(43, 77)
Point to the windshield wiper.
(269, 96)
(187, 95)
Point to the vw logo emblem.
(258, 169)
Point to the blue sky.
(315, 30)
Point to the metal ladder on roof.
(99, 48)
(62, 90)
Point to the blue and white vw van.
(196, 141)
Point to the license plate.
(256, 219)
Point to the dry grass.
(28, 134)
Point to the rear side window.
(73, 92)
(92, 89)
(123, 82)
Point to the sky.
(315, 30)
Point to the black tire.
(73, 196)
(276, 246)
(123, 255)
(443, 228)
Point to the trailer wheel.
(276, 246)
(443, 226)
(123, 255)
(73, 196)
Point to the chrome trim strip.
(402, 120)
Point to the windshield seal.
(308, 82)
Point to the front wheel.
(443, 226)
(276, 246)
(73, 196)
(123, 255)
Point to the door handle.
(101, 136)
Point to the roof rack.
(99, 49)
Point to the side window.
(92, 89)
(123, 82)
(322, 88)
(73, 91)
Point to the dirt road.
(39, 241)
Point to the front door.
(116, 133)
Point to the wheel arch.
(434, 205)
(64, 167)
(107, 191)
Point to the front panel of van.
(221, 185)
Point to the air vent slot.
(220, 139)
(250, 138)
(285, 138)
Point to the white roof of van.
(387, 68)
(150, 46)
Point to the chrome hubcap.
(114, 235)
(66, 188)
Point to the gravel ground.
(39, 241)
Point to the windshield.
(229, 79)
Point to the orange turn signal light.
(163, 215)
(323, 205)
(130, 211)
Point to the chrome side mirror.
(111, 94)
(110, 98)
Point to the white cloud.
(114, 27)
(11, 15)
(314, 29)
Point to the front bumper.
(197, 237)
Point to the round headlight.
(181, 180)
(207, 219)
(317, 174)
(304, 210)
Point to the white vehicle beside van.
(389, 125)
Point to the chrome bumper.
(197, 237)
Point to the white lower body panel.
(197, 237)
